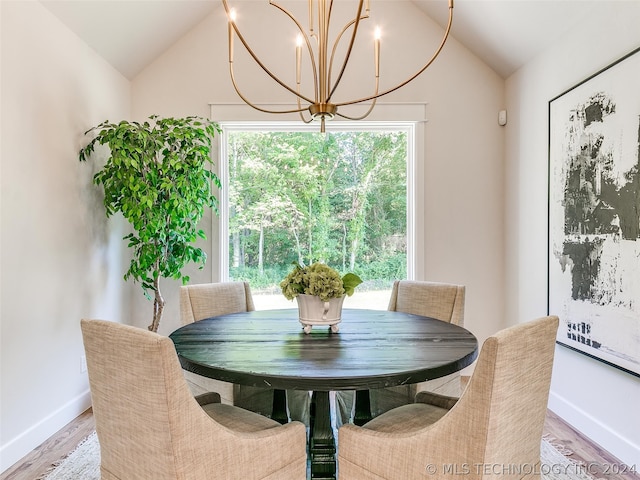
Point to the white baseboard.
(622, 448)
(16, 448)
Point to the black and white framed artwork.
(594, 214)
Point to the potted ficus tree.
(158, 176)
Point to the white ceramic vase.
(313, 311)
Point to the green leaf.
(350, 281)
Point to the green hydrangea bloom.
(324, 282)
(320, 280)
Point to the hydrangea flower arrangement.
(320, 280)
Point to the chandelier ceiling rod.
(320, 106)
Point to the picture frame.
(594, 215)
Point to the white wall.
(60, 259)
(598, 400)
(460, 181)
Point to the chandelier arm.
(257, 60)
(361, 117)
(304, 119)
(245, 100)
(413, 77)
(335, 45)
(366, 114)
(309, 48)
(349, 50)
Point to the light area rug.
(84, 463)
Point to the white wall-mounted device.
(502, 118)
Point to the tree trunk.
(344, 247)
(261, 251)
(354, 249)
(298, 247)
(158, 306)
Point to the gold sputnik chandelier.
(322, 51)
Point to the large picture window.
(303, 196)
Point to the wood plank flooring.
(596, 460)
(40, 460)
(36, 463)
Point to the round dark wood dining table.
(373, 349)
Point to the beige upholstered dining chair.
(442, 301)
(150, 426)
(207, 300)
(497, 421)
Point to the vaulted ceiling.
(505, 34)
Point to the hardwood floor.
(38, 462)
(595, 459)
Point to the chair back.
(141, 403)
(206, 300)
(441, 301)
(503, 409)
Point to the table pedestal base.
(279, 410)
(362, 413)
(322, 444)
